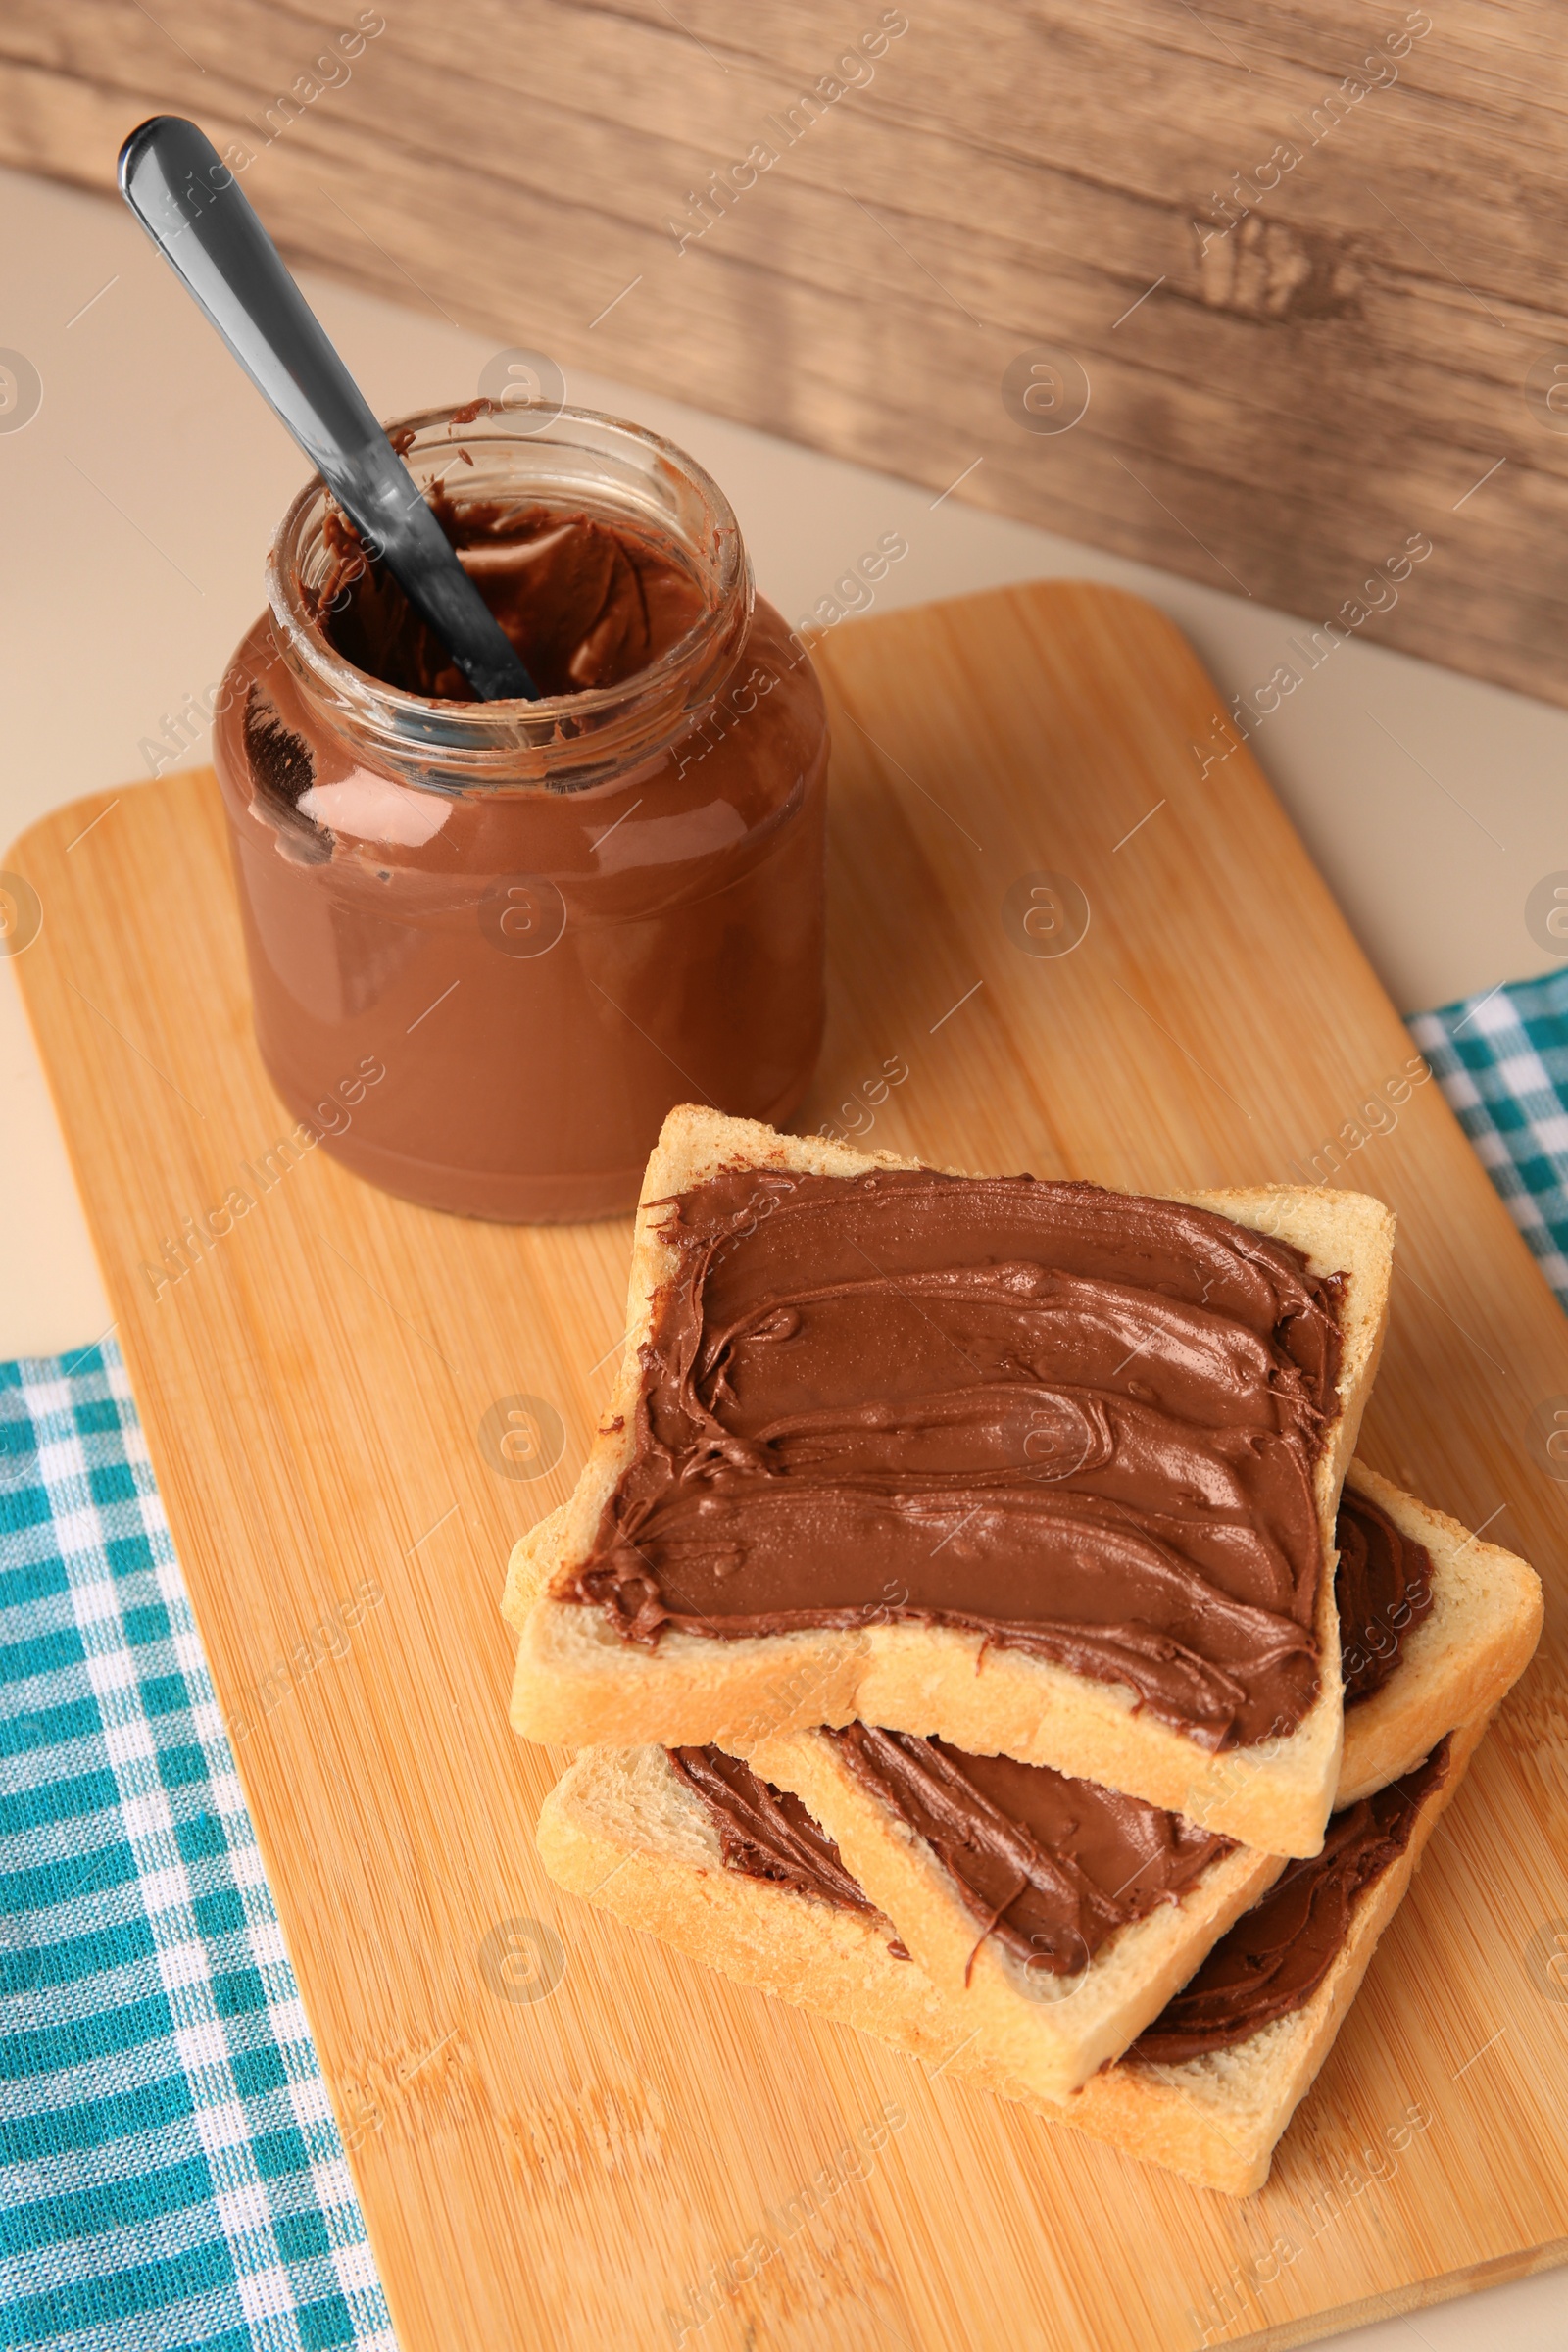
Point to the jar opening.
(611, 558)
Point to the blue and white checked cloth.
(171, 2173)
(1502, 1061)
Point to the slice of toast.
(1049, 2031)
(1477, 1639)
(624, 1829)
(577, 1682)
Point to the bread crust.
(577, 1682)
(1477, 1639)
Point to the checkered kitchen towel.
(1502, 1061)
(171, 2173)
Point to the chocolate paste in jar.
(543, 948)
(584, 602)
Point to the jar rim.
(575, 728)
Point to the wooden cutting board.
(562, 2132)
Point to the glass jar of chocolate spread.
(492, 944)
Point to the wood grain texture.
(566, 2169)
(1287, 383)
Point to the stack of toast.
(976, 1626)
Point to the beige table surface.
(136, 507)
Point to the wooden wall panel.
(1286, 385)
